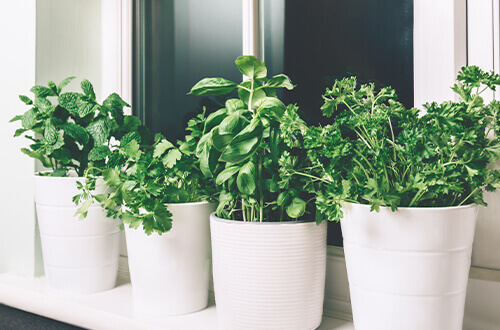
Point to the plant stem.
(261, 184)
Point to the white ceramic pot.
(268, 275)
(80, 256)
(408, 269)
(170, 273)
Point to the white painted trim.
(252, 35)
(439, 48)
(126, 27)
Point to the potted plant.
(423, 174)
(268, 253)
(71, 132)
(165, 203)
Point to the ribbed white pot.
(408, 269)
(80, 256)
(170, 273)
(268, 275)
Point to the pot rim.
(423, 208)
(213, 216)
(189, 203)
(73, 177)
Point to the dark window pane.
(317, 41)
(177, 43)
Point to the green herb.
(141, 179)
(72, 131)
(377, 152)
(242, 144)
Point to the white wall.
(17, 72)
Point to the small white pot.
(80, 256)
(268, 275)
(408, 269)
(170, 273)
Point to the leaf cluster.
(142, 178)
(242, 144)
(380, 153)
(72, 131)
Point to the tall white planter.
(268, 275)
(80, 256)
(408, 269)
(170, 273)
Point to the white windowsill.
(110, 310)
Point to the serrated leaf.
(25, 99)
(42, 103)
(132, 149)
(42, 91)
(171, 158)
(37, 155)
(28, 119)
(99, 153)
(88, 89)
(50, 133)
(64, 83)
(161, 147)
(112, 177)
(99, 130)
(69, 101)
(131, 123)
(77, 132)
(86, 107)
(127, 138)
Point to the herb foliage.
(72, 131)
(141, 179)
(242, 144)
(377, 152)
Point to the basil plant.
(242, 145)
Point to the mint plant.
(380, 153)
(141, 179)
(72, 131)
(243, 142)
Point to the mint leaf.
(88, 89)
(25, 99)
(99, 153)
(64, 83)
(77, 132)
(42, 91)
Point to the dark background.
(314, 42)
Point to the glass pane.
(177, 43)
(316, 42)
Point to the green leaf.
(244, 95)
(296, 208)
(84, 208)
(251, 67)
(283, 198)
(52, 86)
(112, 177)
(132, 149)
(77, 132)
(131, 123)
(69, 101)
(60, 172)
(88, 89)
(28, 119)
(220, 141)
(25, 99)
(99, 153)
(64, 83)
(244, 144)
(129, 137)
(246, 180)
(234, 104)
(213, 86)
(99, 130)
(42, 91)
(226, 174)
(271, 107)
(37, 155)
(279, 81)
(16, 118)
(161, 147)
(214, 119)
(171, 158)
(50, 134)
(115, 105)
(42, 104)
(86, 107)
(19, 132)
